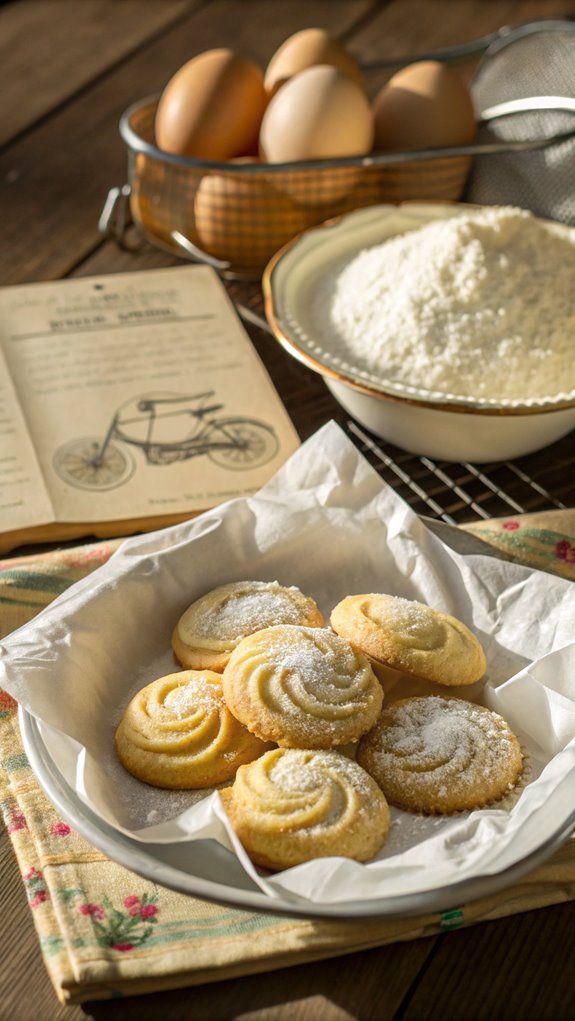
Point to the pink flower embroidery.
(35, 887)
(60, 829)
(564, 550)
(123, 930)
(133, 905)
(511, 526)
(17, 821)
(7, 702)
(92, 909)
(32, 874)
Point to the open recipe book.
(129, 402)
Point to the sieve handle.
(475, 46)
(529, 105)
(445, 53)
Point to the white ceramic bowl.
(443, 426)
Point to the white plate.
(206, 869)
(190, 868)
(328, 523)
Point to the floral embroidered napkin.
(105, 932)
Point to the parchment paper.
(327, 523)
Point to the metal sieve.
(523, 89)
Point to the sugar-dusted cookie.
(178, 732)
(302, 687)
(441, 755)
(410, 637)
(295, 804)
(212, 626)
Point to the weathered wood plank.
(367, 986)
(55, 183)
(26, 991)
(409, 28)
(55, 180)
(49, 49)
(483, 972)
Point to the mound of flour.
(479, 305)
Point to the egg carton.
(236, 215)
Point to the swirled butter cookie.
(295, 804)
(302, 687)
(410, 637)
(441, 755)
(212, 626)
(177, 732)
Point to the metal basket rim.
(136, 143)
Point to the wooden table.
(67, 71)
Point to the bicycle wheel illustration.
(241, 443)
(78, 464)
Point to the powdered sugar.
(406, 616)
(299, 771)
(432, 733)
(314, 675)
(320, 661)
(188, 698)
(245, 612)
(480, 304)
(236, 610)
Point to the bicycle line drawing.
(166, 427)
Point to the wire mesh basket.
(239, 213)
(235, 215)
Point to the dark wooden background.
(68, 69)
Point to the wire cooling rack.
(458, 493)
(453, 493)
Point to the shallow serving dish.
(111, 632)
(200, 872)
(439, 425)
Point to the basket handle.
(196, 254)
(116, 218)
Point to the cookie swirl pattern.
(411, 637)
(293, 805)
(177, 732)
(441, 755)
(302, 687)
(212, 626)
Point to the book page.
(24, 501)
(142, 393)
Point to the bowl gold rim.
(459, 406)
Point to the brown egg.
(243, 219)
(212, 107)
(425, 105)
(318, 114)
(304, 49)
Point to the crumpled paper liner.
(327, 523)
